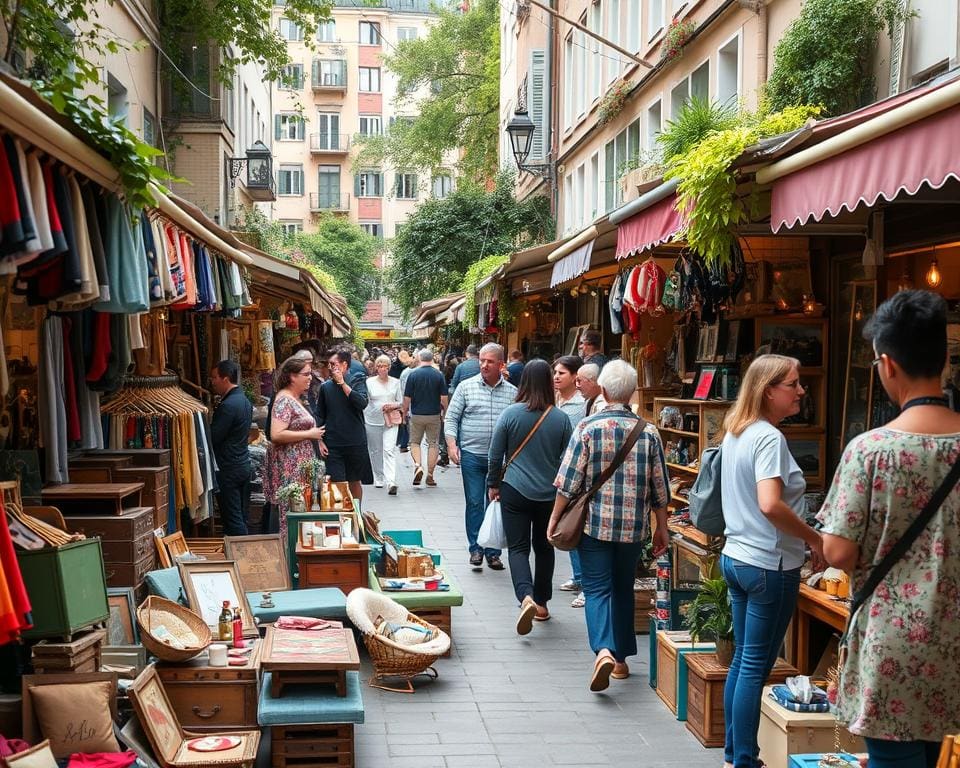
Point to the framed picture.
(208, 584)
(733, 342)
(257, 559)
(707, 343)
(705, 382)
(803, 338)
(176, 545)
(121, 625)
(809, 453)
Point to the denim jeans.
(525, 524)
(234, 500)
(575, 566)
(763, 603)
(902, 754)
(609, 568)
(473, 470)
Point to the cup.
(217, 653)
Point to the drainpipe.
(548, 106)
(759, 7)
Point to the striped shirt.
(474, 410)
(620, 510)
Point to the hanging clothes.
(616, 304)
(126, 262)
(15, 609)
(51, 405)
(12, 235)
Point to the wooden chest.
(130, 574)
(783, 733)
(644, 601)
(156, 489)
(669, 644)
(79, 655)
(213, 699)
(330, 744)
(126, 540)
(139, 457)
(706, 680)
(343, 568)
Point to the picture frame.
(163, 556)
(810, 455)
(207, 583)
(707, 343)
(121, 623)
(733, 341)
(791, 280)
(257, 559)
(804, 338)
(705, 382)
(176, 545)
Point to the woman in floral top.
(900, 684)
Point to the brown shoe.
(602, 668)
(620, 671)
(542, 614)
(431, 482)
(528, 610)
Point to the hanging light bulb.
(933, 276)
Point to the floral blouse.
(901, 680)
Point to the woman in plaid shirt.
(618, 521)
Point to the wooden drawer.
(153, 478)
(341, 573)
(214, 705)
(130, 574)
(127, 551)
(138, 457)
(133, 524)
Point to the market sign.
(384, 334)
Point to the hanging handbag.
(569, 527)
(523, 444)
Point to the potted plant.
(710, 617)
(291, 494)
(311, 470)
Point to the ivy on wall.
(475, 273)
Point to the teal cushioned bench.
(165, 583)
(315, 603)
(303, 704)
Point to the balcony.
(329, 75)
(329, 143)
(329, 202)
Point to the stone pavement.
(505, 700)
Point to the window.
(728, 72)
(328, 132)
(370, 79)
(327, 31)
(291, 226)
(369, 184)
(568, 69)
(568, 203)
(442, 185)
(406, 186)
(406, 33)
(613, 35)
(118, 104)
(291, 78)
(290, 180)
(633, 25)
(609, 175)
(371, 125)
(149, 128)
(595, 24)
(329, 73)
(580, 74)
(593, 197)
(328, 188)
(654, 123)
(696, 84)
(654, 18)
(290, 31)
(397, 229)
(372, 228)
(228, 96)
(288, 127)
(579, 190)
(369, 33)
(633, 140)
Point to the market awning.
(900, 150)
(650, 227)
(573, 265)
(428, 311)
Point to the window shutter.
(536, 103)
(282, 183)
(276, 127)
(416, 188)
(380, 184)
(302, 128)
(315, 72)
(356, 185)
(300, 173)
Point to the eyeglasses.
(791, 384)
(304, 373)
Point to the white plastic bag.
(492, 535)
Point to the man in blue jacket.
(229, 432)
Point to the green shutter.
(301, 181)
(276, 127)
(303, 128)
(356, 185)
(315, 73)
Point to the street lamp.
(520, 130)
(259, 167)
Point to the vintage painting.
(325, 647)
(121, 625)
(261, 562)
(208, 584)
(160, 723)
(797, 338)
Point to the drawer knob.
(209, 713)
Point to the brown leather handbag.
(569, 528)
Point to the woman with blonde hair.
(382, 418)
(762, 490)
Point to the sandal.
(528, 611)
(579, 601)
(542, 614)
(601, 672)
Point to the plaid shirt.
(619, 511)
(474, 410)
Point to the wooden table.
(92, 498)
(328, 567)
(309, 656)
(814, 605)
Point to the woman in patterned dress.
(292, 431)
(900, 683)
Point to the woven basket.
(391, 659)
(181, 622)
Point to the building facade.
(330, 95)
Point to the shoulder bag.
(525, 441)
(570, 526)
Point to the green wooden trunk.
(67, 588)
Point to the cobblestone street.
(503, 700)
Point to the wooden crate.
(643, 601)
(668, 646)
(705, 682)
(312, 746)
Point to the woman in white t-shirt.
(383, 416)
(763, 489)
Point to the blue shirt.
(474, 410)
(425, 386)
(468, 368)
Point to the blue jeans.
(902, 754)
(763, 603)
(609, 568)
(575, 566)
(473, 470)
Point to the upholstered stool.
(314, 603)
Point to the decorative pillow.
(39, 756)
(165, 583)
(75, 717)
(404, 633)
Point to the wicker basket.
(183, 623)
(391, 659)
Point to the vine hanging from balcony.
(677, 35)
(612, 103)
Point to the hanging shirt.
(95, 235)
(126, 263)
(11, 217)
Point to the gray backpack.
(706, 504)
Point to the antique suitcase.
(127, 543)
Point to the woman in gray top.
(526, 489)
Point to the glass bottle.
(225, 623)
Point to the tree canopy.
(451, 79)
(443, 237)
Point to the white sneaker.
(579, 601)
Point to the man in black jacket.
(340, 409)
(229, 431)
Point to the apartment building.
(562, 75)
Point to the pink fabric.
(12, 746)
(919, 154)
(303, 622)
(102, 759)
(648, 228)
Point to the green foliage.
(707, 190)
(612, 102)
(827, 53)
(442, 238)
(451, 78)
(710, 616)
(677, 35)
(471, 279)
(697, 119)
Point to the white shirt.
(380, 394)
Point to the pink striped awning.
(648, 228)
(919, 154)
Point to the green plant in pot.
(710, 617)
(291, 494)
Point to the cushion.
(304, 704)
(315, 603)
(39, 756)
(165, 583)
(75, 717)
